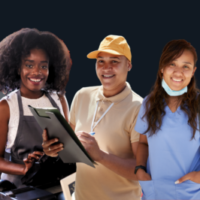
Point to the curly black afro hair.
(19, 44)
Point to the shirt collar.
(115, 99)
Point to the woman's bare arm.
(141, 158)
(7, 166)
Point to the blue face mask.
(171, 92)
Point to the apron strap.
(7, 156)
(51, 100)
(47, 95)
(21, 111)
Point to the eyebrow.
(33, 61)
(187, 63)
(115, 57)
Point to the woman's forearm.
(142, 154)
(11, 168)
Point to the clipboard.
(52, 120)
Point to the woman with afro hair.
(35, 66)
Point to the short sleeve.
(134, 135)
(141, 123)
(73, 109)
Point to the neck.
(113, 92)
(174, 102)
(174, 99)
(31, 94)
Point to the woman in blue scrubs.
(168, 155)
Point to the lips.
(35, 80)
(108, 75)
(177, 80)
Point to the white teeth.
(107, 76)
(35, 80)
(177, 79)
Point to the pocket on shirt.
(147, 189)
(158, 189)
(188, 190)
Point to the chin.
(108, 86)
(35, 89)
(177, 88)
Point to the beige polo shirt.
(114, 134)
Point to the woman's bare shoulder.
(4, 110)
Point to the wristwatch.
(140, 167)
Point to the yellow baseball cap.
(113, 44)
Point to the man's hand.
(90, 145)
(142, 175)
(48, 147)
(32, 157)
(192, 176)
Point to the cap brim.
(94, 54)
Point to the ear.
(195, 68)
(162, 71)
(129, 65)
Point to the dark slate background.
(147, 25)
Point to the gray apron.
(28, 139)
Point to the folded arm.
(141, 158)
(121, 166)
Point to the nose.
(178, 71)
(107, 66)
(36, 70)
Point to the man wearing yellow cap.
(103, 118)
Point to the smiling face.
(178, 73)
(34, 72)
(112, 72)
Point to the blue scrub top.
(172, 154)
